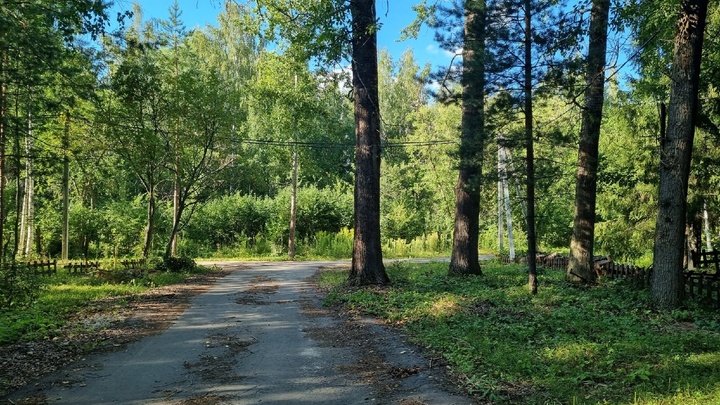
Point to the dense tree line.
(155, 140)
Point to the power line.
(339, 145)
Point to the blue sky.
(394, 16)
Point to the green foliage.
(174, 264)
(19, 286)
(124, 225)
(229, 112)
(416, 184)
(565, 345)
(332, 245)
(627, 180)
(56, 303)
(256, 224)
(65, 296)
(229, 220)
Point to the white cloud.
(433, 49)
(457, 52)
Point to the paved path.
(244, 341)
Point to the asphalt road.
(245, 341)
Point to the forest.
(568, 123)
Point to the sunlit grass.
(63, 296)
(565, 345)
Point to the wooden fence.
(49, 267)
(133, 264)
(43, 267)
(80, 268)
(707, 260)
(703, 285)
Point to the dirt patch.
(371, 367)
(105, 325)
(218, 366)
(260, 287)
(385, 361)
(207, 399)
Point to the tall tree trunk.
(506, 197)
(3, 128)
(23, 214)
(19, 195)
(293, 206)
(66, 190)
(30, 208)
(28, 211)
(581, 266)
(172, 247)
(150, 227)
(172, 250)
(464, 258)
(500, 204)
(367, 265)
(706, 228)
(530, 152)
(666, 284)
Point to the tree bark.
(172, 248)
(3, 174)
(66, 191)
(147, 244)
(500, 204)
(666, 283)
(24, 229)
(19, 192)
(506, 196)
(367, 265)
(530, 152)
(706, 228)
(28, 211)
(464, 258)
(581, 266)
(293, 206)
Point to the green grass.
(62, 296)
(335, 246)
(567, 345)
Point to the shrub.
(335, 245)
(175, 264)
(19, 285)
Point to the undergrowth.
(566, 345)
(61, 296)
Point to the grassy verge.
(63, 295)
(569, 345)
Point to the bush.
(246, 224)
(335, 245)
(226, 221)
(175, 264)
(19, 286)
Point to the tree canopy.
(180, 141)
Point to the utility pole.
(500, 205)
(293, 196)
(506, 196)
